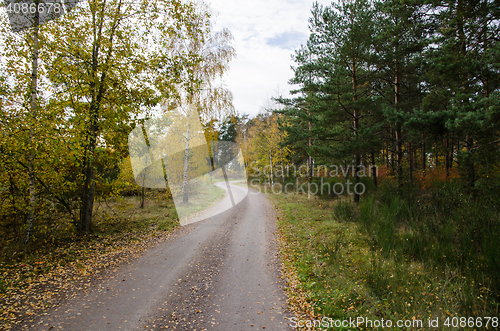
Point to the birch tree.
(99, 67)
(203, 90)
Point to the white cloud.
(266, 33)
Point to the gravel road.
(217, 274)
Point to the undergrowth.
(403, 253)
(54, 267)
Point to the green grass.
(125, 214)
(393, 258)
(205, 195)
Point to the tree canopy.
(103, 67)
(404, 84)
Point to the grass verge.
(206, 195)
(340, 257)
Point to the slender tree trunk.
(447, 156)
(97, 90)
(424, 156)
(387, 150)
(310, 161)
(245, 145)
(142, 196)
(374, 169)
(485, 74)
(410, 161)
(185, 193)
(471, 177)
(357, 157)
(143, 191)
(271, 162)
(471, 172)
(31, 160)
(415, 157)
(394, 153)
(452, 154)
(282, 166)
(399, 138)
(88, 190)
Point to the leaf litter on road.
(31, 288)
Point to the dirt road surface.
(217, 274)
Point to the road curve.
(217, 274)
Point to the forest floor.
(35, 279)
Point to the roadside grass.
(50, 269)
(205, 195)
(124, 214)
(391, 258)
(242, 183)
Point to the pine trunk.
(309, 161)
(399, 138)
(410, 162)
(424, 156)
(446, 156)
(470, 167)
(357, 158)
(374, 170)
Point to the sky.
(266, 34)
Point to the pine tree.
(464, 76)
(336, 77)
